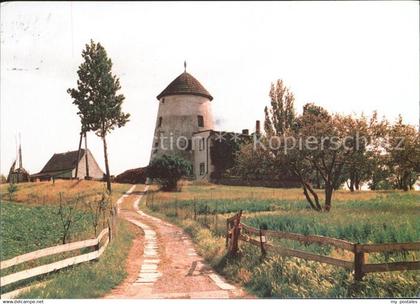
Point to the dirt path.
(164, 264)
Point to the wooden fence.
(358, 264)
(43, 269)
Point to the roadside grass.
(92, 279)
(376, 217)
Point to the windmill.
(19, 174)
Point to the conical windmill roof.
(185, 84)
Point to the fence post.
(205, 215)
(263, 240)
(227, 233)
(236, 234)
(359, 261)
(114, 220)
(109, 230)
(195, 210)
(215, 218)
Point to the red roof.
(185, 84)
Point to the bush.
(12, 189)
(132, 176)
(168, 170)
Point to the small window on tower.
(163, 100)
(202, 168)
(200, 121)
(160, 122)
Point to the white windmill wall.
(179, 115)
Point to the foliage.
(168, 170)
(222, 156)
(132, 176)
(403, 155)
(3, 179)
(254, 162)
(12, 189)
(96, 97)
(281, 115)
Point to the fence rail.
(235, 227)
(43, 269)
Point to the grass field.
(48, 193)
(32, 221)
(365, 217)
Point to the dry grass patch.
(42, 193)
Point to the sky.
(349, 57)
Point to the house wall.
(94, 170)
(179, 118)
(201, 152)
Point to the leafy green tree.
(11, 190)
(403, 148)
(96, 97)
(167, 170)
(222, 155)
(281, 114)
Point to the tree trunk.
(328, 196)
(108, 176)
(351, 187)
(86, 158)
(318, 181)
(405, 181)
(357, 182)
(78, 155)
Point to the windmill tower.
(19, 174)
(184, 108)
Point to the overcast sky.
(349, 57)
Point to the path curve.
(167, 265)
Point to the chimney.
(245, 132)
(257, 127)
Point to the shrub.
(12, 189)
(168, 170)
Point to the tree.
(12, 189)
(96, 97)
(222, 155)
(168, 170)
(403, 154)
(281, 115)
(255, 163)
(68, 215)
(322, 145)
(98, 206)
